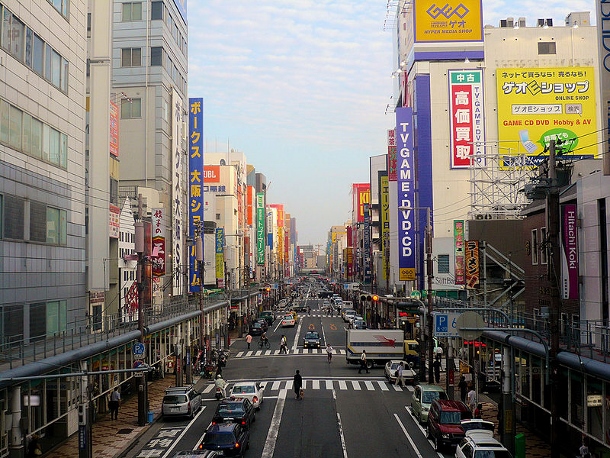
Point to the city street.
(343, 413)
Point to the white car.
(252, 391)
(480, 442)
(288, 321)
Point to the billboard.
(114, 129)
(392, 154)
(195, 186)
(406, 194)
(467, 121)
(472, 264)
(219, 256)
(158, 254)
(361, 194)
(458, 245)
(384, 216)
(537, 105)
(260, 228)
(569, 252)
(455, 20)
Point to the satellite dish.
(470, 320)
(223, 162)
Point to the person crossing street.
(363, 364)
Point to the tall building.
(42, 168)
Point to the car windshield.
(429, 396)
(492, 454)
(451, 418)
(230, 409)
(311, 335)
(470, 425)
(174, 399)
(219, 438)
(243, 389)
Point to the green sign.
(260, 228)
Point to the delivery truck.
(381, 345)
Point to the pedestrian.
(363, 364)
(584, 449)
(298, 384)
(472, 398)
(478, 411)
(437, 369)
(400, 379)
(463, 386)
(283, 344)
(115, 400)
(249, 340)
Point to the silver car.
(181, 401)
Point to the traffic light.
(375, 298)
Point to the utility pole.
(140, 249)
(430, 274)
(553, 273)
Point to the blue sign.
(196, 186)
(445, 324)
(138, 350)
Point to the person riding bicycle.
(329, 352)
(264, 337)
(222, 384)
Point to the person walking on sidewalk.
(115, 400)
(472, 399)
(463, 386)
(298, 384)
(363, 363)
(249, 340)
(437, 369)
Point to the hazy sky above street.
(301, 88)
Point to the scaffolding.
(393, 9)
(497, 183)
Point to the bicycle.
(264, 343)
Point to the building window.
(56, 226)
(443, 263)
(156, 11)
(131, 109)
(1, 215)
(132, 11)
(156, 56)
(535, 246)
(13, 31)
(57, 314)
(131, 57)
(62, 6)
(543, 246)
(13, 217)
(38, 222)
(547, 47)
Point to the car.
(481, 443)
(311, 340)
(256, 329)
(359, 324)
(182, 401)
(288, 321)
(408, 373)
(230, 438)
(263, 324)
(197, 454)
(347, 314)
(268, 316)
(252, 391)
(235, 411)
(422, 398)
(473, 424)
(445, 422)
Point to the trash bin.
(151, 418)
(520, 445)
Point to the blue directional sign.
(445, 324)
(138, 350)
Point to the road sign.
(445, 324)
(415, 294)
(470, 320)
(138, 350)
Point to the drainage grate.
(124, 431)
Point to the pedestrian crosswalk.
(272, 387)
(292, 351)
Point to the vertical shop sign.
(472, 264)
(569, 252)
(260, 228)
(458, 242)
(196, 171)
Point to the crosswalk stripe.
(316, 384)
(356, 385)
(383, 386)
(276, 385)
(329, 384)
(208, 388)
(397, 387)
(239, 355)
(342, 385)
(294, 351)
(369, 385)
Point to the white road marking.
(383, 385)
(208, 388)
(342, 385)
(404, 430)
(397, 387)
(369, 385)
(315, 384)
(274, 428)
(329, 384)
(169, 450)
(276, 385)
(238, 355)
(343, 446)
(356, 385)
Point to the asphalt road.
(344, 414)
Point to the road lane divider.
(274, 427)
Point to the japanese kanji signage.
(537, 105)
(158, 240)
(457, 20)
(458, 243)
(472, 264)
(260, 228)
(195, 186)
(467, 118)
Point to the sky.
(301, 88)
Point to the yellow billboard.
(537, 105)
(453, 20)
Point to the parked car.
(481, 443)
(445, 422)
(256, 329)
(252, 391)
(311, 340)
(263, 324)
(235, 411)
(180, 402)
(408, 373)
(268, 316)
(288, 321)
(347, 314)
(230, 438)
(359, 324)
(197, 454)
(473, 424)
(422, 398)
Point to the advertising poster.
(384, 189)
(392, 154)
(467, 122)
(158, 251)
(220, 257)
(455, 20)
(472, 263)
(458, 242)
(195, 186)
(260, 228)
(569, 252)
(406, 194)
(537, 105)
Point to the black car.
(311, 340)
(264, 324)
(231, 438)
(268, 316)
(256, 329)
(239, 411)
